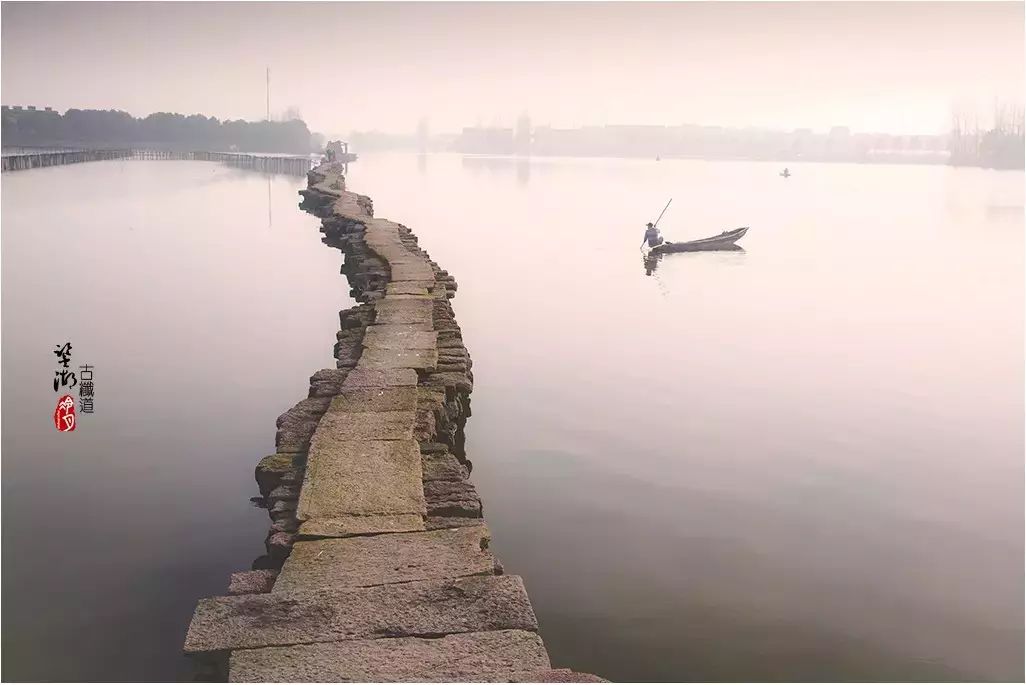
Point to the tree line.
(1002, 145)
(114, 128)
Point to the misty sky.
(896, 67)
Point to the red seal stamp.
(64, 414)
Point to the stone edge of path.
(378, 565)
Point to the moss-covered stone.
(274, 468)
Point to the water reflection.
(651, 261)
(523, 170)
(169, 248)
(812, 461)
(522, 165)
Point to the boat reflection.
(651, 260)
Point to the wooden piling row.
(35, 160)
(274, 164)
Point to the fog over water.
(801, 460)
(893, 67)
(204, 300)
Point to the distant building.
(839, 142)
(523, 137)
(646, 141)
(423, 136)
(801, 139)
(485, 141)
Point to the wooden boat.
(723, 241)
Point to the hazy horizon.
(787, 453)
(873, 67)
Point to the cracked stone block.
(251, 582)
(380, 559)
(436, 607)
(498, 656)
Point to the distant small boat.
(785, 173)
(723, 241)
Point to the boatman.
(652, 236)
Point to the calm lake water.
(803, 461)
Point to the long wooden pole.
(662, 212)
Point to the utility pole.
(268, 93)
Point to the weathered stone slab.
(406, 258)
(427, 424)
(350, 206)
(403, 398)
(475, 604)
(444, 466)
(400, 336)
(460, 381)
(353, 319)
(381, 235)
(410, 287)
(275, 469)
(382, 559)
(363, 425)
(379, 378)
(326, 188)
(392, 253)
(383, 358)
(251, 582)
(410, 297)
(279, 544)
(558, 675)
(497, 656)
(345, 525)
(433, 447)
(391, 310)
(437, 522)
(360, 478)
(396, 253)
(383, 228)
(412, 272)
(430, 398)
(297, 424)
(327, 382)
(451, 498)
(450, 339)
(282, 506)
(347, 355)
(284, 491)
(285, 525)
